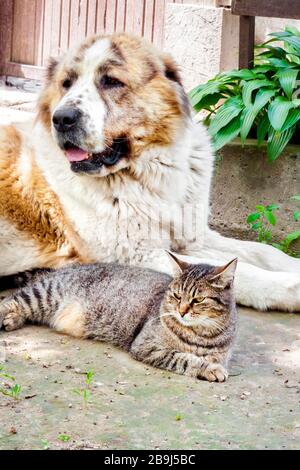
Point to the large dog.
(108, 168)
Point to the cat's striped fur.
(185, 324)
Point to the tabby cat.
(185, 325)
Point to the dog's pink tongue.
(76, 155)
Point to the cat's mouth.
(83, 161)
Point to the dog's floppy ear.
(172, 73)
(178, 265)
(171, 69)
(51, 68)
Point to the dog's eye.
(67, 83)
(111, 82)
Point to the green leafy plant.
(45, 444)
(12, 391)
(262, 101)
(262, 221)
(85, 390)
(296, 213)
(64, 437)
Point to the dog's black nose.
(64, 119)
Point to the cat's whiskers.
(172, 314)
(204, 321)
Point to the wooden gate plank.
(159, 20)
(23, 31)
(120, 16)
(111, 12)
(101, 16)
(270, 8)
(47, 31)
(55, 27)
(148, 19)
(91, 17)
(65, 26)
(6, 23)
(39, 31)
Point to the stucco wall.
(204, 38)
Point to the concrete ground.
(15, 104)
(132, 406)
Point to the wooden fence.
(32, 30)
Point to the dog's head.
(110, 100)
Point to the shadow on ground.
(137, 407)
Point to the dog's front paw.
(215, 373)
(11, 316)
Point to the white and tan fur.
(103, 216)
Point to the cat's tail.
(15, 281)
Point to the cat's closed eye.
(198, 300)
(176, 296)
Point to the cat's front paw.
(11, 318)
(215, 373)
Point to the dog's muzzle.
(69, 126)
(119, 149)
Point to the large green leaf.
(293, 58)
(292, 118)
(227, 133)
(249, 87)
(263, 69)
(262, 129)
(198, 93)
(292, 30)
(279, 110)
(243, 74)
(277, 142)
(280, 63)
(287, 78)
(230, 109)
(278, 52)
(250, 113)
(293, 41)
(208, 101)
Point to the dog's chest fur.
(127, 218)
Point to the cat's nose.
(183, 309)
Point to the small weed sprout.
(64, 437)
(12, 391)
(85, 391)
(45, 444)
(262, 220)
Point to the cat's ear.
(178, 265)
(223, 276)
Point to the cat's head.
(200, 295)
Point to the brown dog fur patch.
(32, 207)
